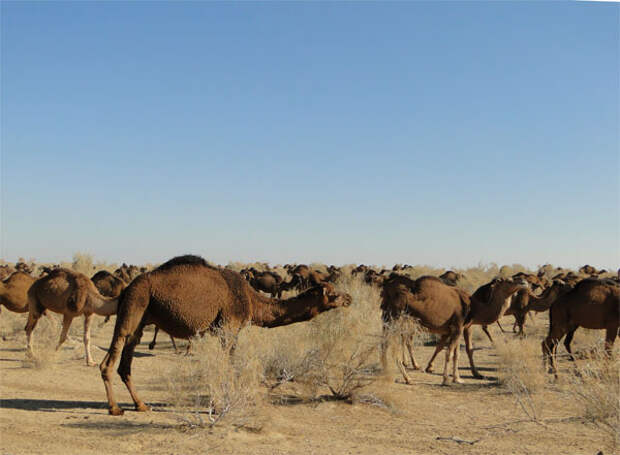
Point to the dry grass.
(45, 336)
(520, 371)
(211, 388)
(595, 387)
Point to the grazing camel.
(72, 294)
(593, 304)
(14, 292)
(185, 296)
(442, 309)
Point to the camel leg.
(486, 330)
(33, 318)
(408, 342)
(549, 346)
(106, 373)
(66, 323)
(124, 368)
(501, 328)
(401, 367)
(446, 367)
(152, 343)
(89, 357)
(610, 337)
(470, 353)
(567, 341)
(456, 378)
(174, 345)
(442, 342)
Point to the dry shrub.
(521, 372)
(45, 338)
(83, 263)
(211, 388)
(595, 387)
(338, 353)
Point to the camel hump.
(188, 259)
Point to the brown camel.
(593, 304)
(486, 308)
(440, 308)
(525, 301)
(268, 282)
(72, 294)
(450, 278)
(185, 296)
(14, 292)
(110, 285)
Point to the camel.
(486, 308)
(71, 294)
(268, 282)
(185, 296)
(592, 304)
(14, 292)
(6, 271)
(525, 301)
(110, 285)
(440, 308)
(450, 278)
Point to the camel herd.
(186, 297)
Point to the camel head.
(508, 286)
(329, 297)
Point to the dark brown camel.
(110, 285)
(450, 278)
(185, 296)
(592, 304)
(71, 294)
(268, 282)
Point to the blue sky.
(427, 133)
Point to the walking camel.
(592, 304)
(186, 296)
(445, 310)
(71, 294)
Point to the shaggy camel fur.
(442, 309)
(72, 294)
(110, 285)
(185, 297)
(14, 292)
(593, 304)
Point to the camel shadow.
(117, 427)
(25, 404)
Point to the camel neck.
(104, 306)
(485, 313)
(278, 312)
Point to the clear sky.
(427, 133)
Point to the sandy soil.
(61, 409)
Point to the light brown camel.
(483, 312)
(71, 294)
(185, 296)
(14, 292)
(440, 308)
(593, 304)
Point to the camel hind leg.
(66, 324)
(124, 368)
(407, 341)
(152, 343)
(440, 345)
(567, 341)
(33, 318)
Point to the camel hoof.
(142, 408)
(458, 381)
(428, 370)
(446, 383)
(151, 346)
(478, 376)
(115, 411)
(92, 364)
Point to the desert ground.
(55, 404)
